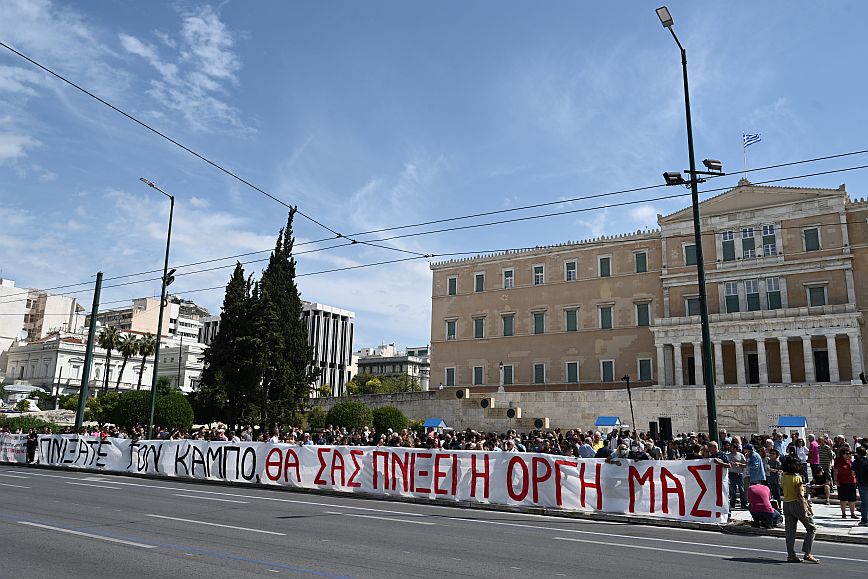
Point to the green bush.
(132, 408)
(349, 415)
(316, 418)
(173, 411)
(389, 417)
(25, 423)
(22, 405)
(417, 426)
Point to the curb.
(608, 517)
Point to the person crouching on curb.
(797, 509)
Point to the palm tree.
(128, 347)
(147, 347)
(109, 339)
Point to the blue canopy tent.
(607, 423)
(792, 424)
(437, 423)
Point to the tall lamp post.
(626, 378)
(168, 278)
(675, 178)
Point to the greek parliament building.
(787, 283)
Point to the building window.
(539, 275)
(539, 322)
(606, 317)
(539, 373)
(477, 375)
(507, 375)
(450, 329)
(751, 290)
(748, 243)
(773, 293)
(812, 238)
(690, 254)
(770, 243)
(572, 372)
(478, 327)
(572, 320)
(570, 271)
(509, 325)
(643, 314)
(450, 376)
(645, 369)
(607, 370)
(693, 306)
(479, 282)
(452, 286)
(728, 245)
(731, 296)
(817, 296)
(641, 259)
(508, 279)
(605, 266)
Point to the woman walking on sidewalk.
(797, 509)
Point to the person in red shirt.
(846, 482)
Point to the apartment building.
(181, 318)
(787, 287)
(330, 332)
(386, 360)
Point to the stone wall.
(836, 409)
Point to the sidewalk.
(830, 525)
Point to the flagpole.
(744, 154)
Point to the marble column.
(786, 375)
(810, 374)
(856, 355)
(832, 349)
(762, 360)
(697, 363)
(679, 373)
(718, 362)
(741, 374)
(661, 366)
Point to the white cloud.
(14, 147)
(191, 79)
(645, 215)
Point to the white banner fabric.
(13, 447)
(688, 490)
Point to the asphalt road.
(68, 524)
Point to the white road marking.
(93, 486)
(13, 475)
(217, 525)
(390, 519)
(647, 548)
(90, 535)
(16, 486)
(210, 499)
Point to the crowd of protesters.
(773, 475)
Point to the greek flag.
(750, 139)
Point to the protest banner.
(13, 447)
(687, 490)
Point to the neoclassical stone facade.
(787, 288)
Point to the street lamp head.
(673, 178)
(713, 165)
(146, 182)
(625, 377)
(665, 17)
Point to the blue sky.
(382, 113)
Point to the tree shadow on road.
(757, 560)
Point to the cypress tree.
(286, 358)
(231, 379)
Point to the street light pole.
(707, 367)
(166, 282)
(626, 378)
